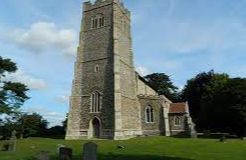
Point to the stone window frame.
(177, 121)
(96, 102)
(149, 114)
(97, 21)
(96, 68)
(124, 25)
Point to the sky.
(176, 37)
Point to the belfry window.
(149, 114)
(95, 102)
(101, 21)
(97, 21)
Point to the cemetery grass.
(147, 148)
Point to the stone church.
(110, 100)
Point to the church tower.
(104, 102)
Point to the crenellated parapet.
(100, 3)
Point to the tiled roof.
(178, 107)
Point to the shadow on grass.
(128, 157)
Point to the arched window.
(101, 21)
(177, 121)
(149, 114)
(95, 102)
(97, 21)
(92, 22)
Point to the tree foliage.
(64, 123)
(32, 124)
(26, 125)
(12, 94)
(199, 92)
(6, 65)
(163, 85)
(234, 98)
(216, 102)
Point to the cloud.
(181, 29)
(142, 70)
(171, 64)
(30, 81)
(62, 99)
(53, 117)
(189, 36)
(171, 7)
(45, 36)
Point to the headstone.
(243, 138)
(5, 146)
(12, 142)
(58, 147)
(65, 153)
(43, 155)
(193, 134)
(223, 138)
(90, 151)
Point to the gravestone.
(58, 147)
(5, 146)
(243, 138)
(43, 155)
(90, 151)
(12, 142)
(223, 138)
(65, 153)
(193, 134)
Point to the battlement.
(100, 3)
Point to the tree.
(235, 97)
(64, 123)
(6, 127)
(31, 125)
(26, 125)
(217, 102)
(56, 132)
(6, 65)
(163, 85)
(200, 92)
(12, 95)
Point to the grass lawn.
(148, 148)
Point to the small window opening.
(96, 68)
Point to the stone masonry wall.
(144, 89)
(177, 129)
(128, 117)
(130, 114)
(95, 49)
(98, 51)
(153, 128)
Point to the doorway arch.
(96, 128)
